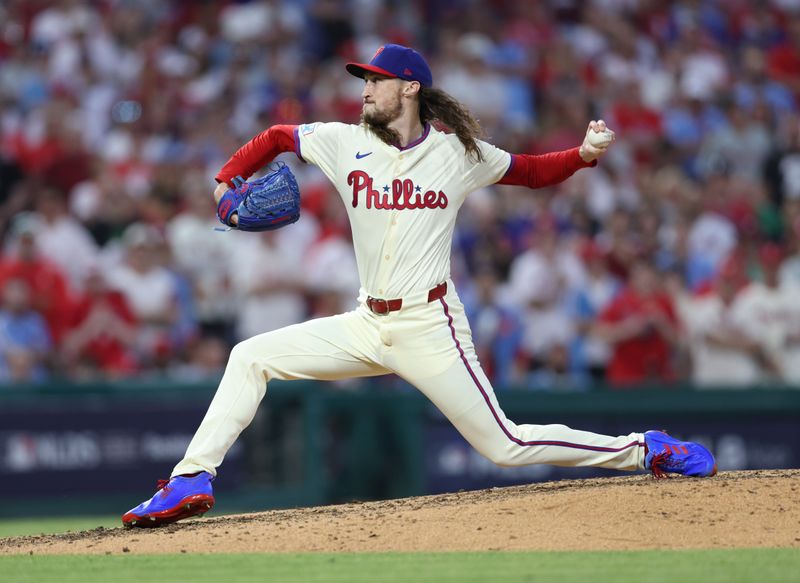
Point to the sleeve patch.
(307, 128)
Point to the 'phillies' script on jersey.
(404, 194)
(402, 203)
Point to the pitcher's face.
(382, 99)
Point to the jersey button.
(386, 257)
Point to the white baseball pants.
(427, 344)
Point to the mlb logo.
(307, 128)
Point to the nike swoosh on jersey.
(359, 155)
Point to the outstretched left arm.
(537, 171)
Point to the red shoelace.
(657, 465)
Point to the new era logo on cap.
(395, 61)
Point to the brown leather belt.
(379, 306)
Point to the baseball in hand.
(600, 139)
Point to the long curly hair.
(439, 106)
(440, 109)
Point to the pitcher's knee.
(245, 356)
(500, 455)
(240, 354)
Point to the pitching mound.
(733, 509)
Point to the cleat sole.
(195, 505)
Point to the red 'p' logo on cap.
(378, 52)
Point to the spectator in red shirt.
(784, 60)
(641, 325)
(50, 294)
(103, 331)
(641, 125)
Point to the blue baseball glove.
(265, 204)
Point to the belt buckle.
(378, 306)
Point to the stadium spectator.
(713, 236)
(331, 274)
(769, 316)
(103, 334)
(587, 302)
(641, 325)
(62, 238)
(50, 292)
(24, 339)
(784, 57)
(470, 69)
(619, 241)
(539, 281)
(496, 328)
(724, 353)
(271, 290)
(483, 239)
(640, 124)
(202, 256)
(149, 289)
(741, 144)
(753, 88)
(696, 269)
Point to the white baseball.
(600, 139)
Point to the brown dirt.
(734, 509)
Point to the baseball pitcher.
(402, 181)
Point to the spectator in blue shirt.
(497, 328)
(24, 338)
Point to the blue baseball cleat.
(177, 498)
(667, 455)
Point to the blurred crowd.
(676, 259)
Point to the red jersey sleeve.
(613, 311)
(537, 171)
(258, 152)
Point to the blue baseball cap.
(395, 61)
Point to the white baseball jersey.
(713, 365)
(402, 204)
(416, 191)
(771, 316)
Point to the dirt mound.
(734, 509)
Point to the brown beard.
(378, 123)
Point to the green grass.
(23, 526)
(709, 566)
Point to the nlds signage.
(30, 452)
(87, 449)
(25, 452)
